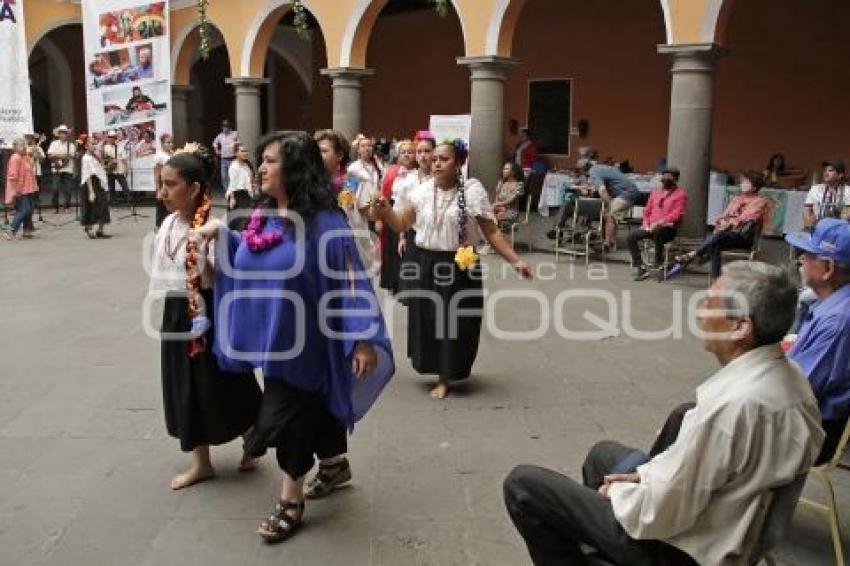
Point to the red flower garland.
(193, 273)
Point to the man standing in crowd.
(664, 210)
(755, 427)
(830, 199)
(619, 193)
(822, 347)
(224, 146)
(61, 153)
(115, 163)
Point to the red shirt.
(667, 207)
(20, 178)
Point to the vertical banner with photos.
(128, 79)
(15, 102)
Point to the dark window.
(549, 114)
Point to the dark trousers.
(556, 515)
(714, 245)
(660, 237)
(63, 183)
(121, 180)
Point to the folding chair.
(772, 522)
(829, 508)
(751, 254)
(588, 223)
(523, 222)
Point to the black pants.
(660, 237)
(62, 183)
(297, 424)
(555, 514)
(833, 429)
(121, 180)
(713, 246)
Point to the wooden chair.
(829, 509)
(587, 224)
(524, 222)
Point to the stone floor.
(85, 461)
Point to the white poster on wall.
(15, 101)
(128, 79)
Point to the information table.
(557, 183)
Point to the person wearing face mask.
(664, 211)
(735, 229)
(822, 347)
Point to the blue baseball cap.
(830, 239)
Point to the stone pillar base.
(488, 75)
(347, 88)
(248, 111)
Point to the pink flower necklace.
(260, 236)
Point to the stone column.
(180, 113)
(347, 86)
(486, 139)
(248, 111)
(689, 140)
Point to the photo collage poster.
(15, 100)
(128, 79)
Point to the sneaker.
(639, 273)
(674, 271)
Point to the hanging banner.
(15, 101)
(128, 80)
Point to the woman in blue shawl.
(292, 298)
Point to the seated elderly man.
(755, 427)
(822, 348)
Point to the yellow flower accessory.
(345, 198)
(465, 257)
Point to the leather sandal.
(281, 525)
(328, 479)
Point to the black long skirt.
(97, 212)
(390, 262)
(443, 335)
(237, 217)
(408, 264)
(203, 405)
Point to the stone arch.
(185, 45)
(718, 13)
(260, 34)
(61, 105)
(45, 31)
(363, 17)
(506, 14)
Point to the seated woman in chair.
(508, 191)
(735, 229)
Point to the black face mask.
(668, 183)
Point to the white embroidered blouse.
(437, 222)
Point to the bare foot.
(191, 477)
(440, 391)
(248, 463)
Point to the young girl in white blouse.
(447, 214)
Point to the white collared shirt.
(819, 198)
(67, 150)
(756, 426)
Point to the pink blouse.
(20, 178)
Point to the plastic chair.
(829, 508)
(751, 254)
(590, 212)
(524, 222)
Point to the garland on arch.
(441, 7)
(203, 29)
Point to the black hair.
(754, 177)
(781, 168)
(195, 167)
(339, 142)
(516, 170)
(460, 151)
(305, 179)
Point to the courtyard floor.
(85, 461)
